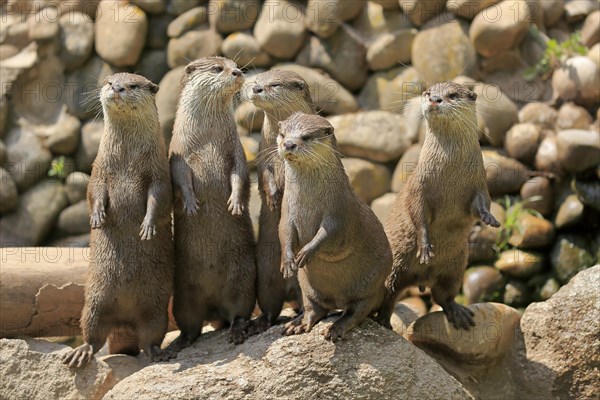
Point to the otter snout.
(257, 89)
(237, 72)
(117, 88)
(289, 145)
(435, 100)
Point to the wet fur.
(282, 94)
(433, 214)
(329, 237)
(215, 269)
(131, 250)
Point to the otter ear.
(153, 87)
(189, 69)
(299, 85)
(472, 96)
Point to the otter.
(329, 237)
(279, 94)
(431, 218)
(215, 270)
(130, 275)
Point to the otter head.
(123, 92)
(306, 139)
(448, 101)
(278, 90)
(212, 78)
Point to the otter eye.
(218, 69)
(275, 84)
(134, 87)
(109, 83)
(281, 135)
(305, 138)
(427, 93)
(453, 96)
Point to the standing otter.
(328, 235)
(279, 94)
(439, 204)
(129, 194)
(215, 269)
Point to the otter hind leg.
(443, 292)
(304, 323)
(353, 316)
(123, 341)
(151, 331)
(190, 313)
(95, 327)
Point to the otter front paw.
(489, 219)
(147, 229)
(304, 256)
(97, 218)
(79, 357)
(425, 253)
(288, 268)
(235, 207)
(191, 206)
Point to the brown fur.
(430, 221)
(129, 194)
(328, 235)
(215, 269)
(279, 94)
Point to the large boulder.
(370, 363)
(280, 28)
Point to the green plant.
(555, 53)
(513, 218)
(57, 168)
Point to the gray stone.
(91, 132)
(468, 8)
(62, 137)
(390, 49)
(229, 16)
(578, 80)
(74, 220)
(27, 158)
(178, 7)
(503, 175)
(578, 150)
(76, 185)
(422, 11)
(546, 158)
(323, 17)
(572, 116)
(166, 100)
(522, 142)
(156, 37)
(76, 38)
(369, 180)
(552, 10)
(375, 21)
(153, 65)
(570, 255)
(496, 113)
(382, 206)
(533, 232)
(570, 212)
(538, 113)
(186, 21)
(579, 9)
(519, 264)
(152, 6)
(245, 50)
(193, 44)
(538, 186)
(405, 167)
(9, 196)
(392, 90)
(43, 26)
(280, 28)
(590, 33)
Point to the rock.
(83, 86)
(178, 7)
(304, 366)
(76, 186)
(78, 241)
(488, 340)
(588, 192)
(120, 32)
(233, 15)
(405, 167)
(166, 100)
(559, 366)
(503, 175)
(244, 48)
(387, 4)
(2, 152)
(27, 159)
(505, 31)
(280, 29)
(550, 287)
(368, 179)
(191, 45)
(76, 39)
(342, 56)
(37, 211)
(496, 113)
(569, 256)
(578, 150)
(186, 21)
(533, 232)
(42, 25)
(62, 137)
(570, 212)
(7, 51)
(594, 54)
(578, 80)
(413, 119)
(422, 11)
(250, 145)
(469, 9)
(519, 264)
(538, 186)
(552, 11)
(156, 38)
(538, 113)
(516, 294)
(9, 196)
(571, 116)
(578, 10)
(74, 220)
(449, 52)
(375, 21)
(590, 33)
(390, 49)
(249, 116)
(375, 135)
(91, 133)
(152, 6)
(382, 206)
(522, 142)
(153, 65)
(33, 369)
(483, 238)
(546, 158)
(482, 283)
(323, 17)
(392, 90)
(327, 94)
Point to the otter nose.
(236, 72)
(117, 88)
(257, 89)
(289, 145)
(435, 99)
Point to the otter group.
(176, 223)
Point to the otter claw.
(303, 257)
(147, 230)
(489, 219)
(97, 219)
(288, 269)
(234, 207)
(425, 254)
(191, 207)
